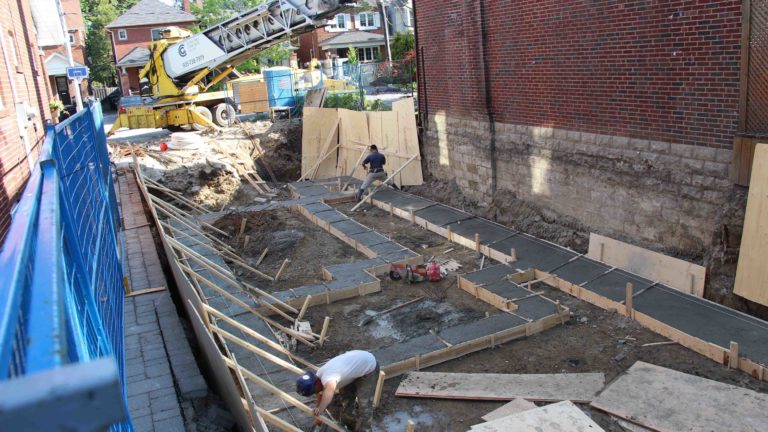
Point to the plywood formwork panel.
(670, 401)
(678, 274)
(752, 272)
(353, 137)
(559, 417)
(581, 387)
(317, 126)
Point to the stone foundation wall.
(658, 193)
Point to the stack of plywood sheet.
(252, 96)
(393, 132)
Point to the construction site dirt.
(593, 340)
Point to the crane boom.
(237, 39)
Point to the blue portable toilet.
(280, 86)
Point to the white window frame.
(333, 26)
(367, 54)
(370, 18)
(408, 17)
(122, 34)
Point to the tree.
(352, 55)
(215, 11)
(402, 44)
(98, 46)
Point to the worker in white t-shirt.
(354, 375)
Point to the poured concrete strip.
(659, 310)
(441, 215)
(577, 387)
(486, 230)
(670, 401)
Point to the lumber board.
(670, 271)
(559, 417)
(314, 98)
(409, 138)
(316, 126)
(384, 132)
(513, 407)
(690, 403)
(489, 297)
(580, 387)
(751, 272)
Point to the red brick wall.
(666, 71)
(29, 79)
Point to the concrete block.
(193, 387)
(691, 164)
(619, 141)
(682, 150)
(724, 155)
(143, 424)
(638, 144)
(717, 169)
(138, 402)
(167, 390)
(164, 403)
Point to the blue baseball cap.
(305, 384)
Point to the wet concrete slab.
(533, 253)
(402, 200)
(488, 231)
(477, 329)
(369, 238)
(535, 308)
(350, 227)
(442, 215)
(317, 207)
(408, 349)
(708, 321)
(386, 248)
(331, 216)
(613, 285)
(399, 256)
(490, 275)
(506, 289)
(581, 270)
(301, 292)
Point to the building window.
(339, 23)
(122, 34)
(157, 33)
(71, 38)
(366, 20)
(408, 17)
(368, 54)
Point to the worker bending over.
(376, 172)
(354, 374)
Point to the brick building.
(132, 32)
(23, 103)
(620, 117)
(363, 30)
(50, 37)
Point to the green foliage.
(348, 100)
(275, 54)
(56, 105)
(250, 66)
(376, 105)
(215, 11)
(352, 55)
(98, 46)
(401, 44)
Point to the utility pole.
(62, 18)
(386, 29)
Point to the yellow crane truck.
(183, 66)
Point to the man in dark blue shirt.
(376, 171)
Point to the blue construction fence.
(61, 288)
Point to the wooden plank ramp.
(560, 417)
(579, 387)
(666, 400)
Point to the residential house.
(361, 29)
(399, 16)
(50, 37)
(24, 96)
(132, 33)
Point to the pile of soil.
(281, 142)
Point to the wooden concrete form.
(710, 350)
(489, 341)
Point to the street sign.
(77, 72)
